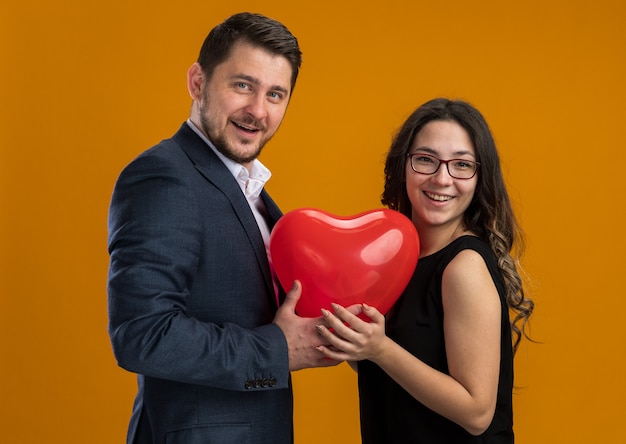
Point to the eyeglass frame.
(446, 162)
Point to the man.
(193, 306)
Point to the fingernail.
(319, 328)
(325, 312)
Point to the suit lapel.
(273, 214)
(214, 170)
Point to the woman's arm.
(472, 314)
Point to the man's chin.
(242, 151)
(241, 154)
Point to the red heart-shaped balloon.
(366, 258)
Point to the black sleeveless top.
(389, 415)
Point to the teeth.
(247, 128)
(438, 197)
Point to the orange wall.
(85, 86)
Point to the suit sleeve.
(154, 245)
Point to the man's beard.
(220, 142)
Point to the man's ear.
(195, 81)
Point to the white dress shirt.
(251, 183)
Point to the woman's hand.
(350, 337)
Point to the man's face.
(242, 105)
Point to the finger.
(372, 312)
(355, 309)
(292, 297)
(348, 317)
(332, 338)
(337, 325)
(335, 355)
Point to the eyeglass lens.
(457, 168)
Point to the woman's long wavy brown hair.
(489, 215)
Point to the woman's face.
(440, 200)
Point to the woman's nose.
(442, 175)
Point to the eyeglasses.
(457, 168)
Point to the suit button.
(248, 385)
(257, 383)
(265, 382)
(272, 382)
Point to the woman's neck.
(434, 238)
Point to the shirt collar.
(251, 182)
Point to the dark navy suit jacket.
(191, 302)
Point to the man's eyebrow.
(247, 78)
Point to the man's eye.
(275, 95)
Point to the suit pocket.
(211, 434)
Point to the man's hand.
(301, 334)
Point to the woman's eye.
(424, 159)
(462, 164)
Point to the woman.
(439, 369)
